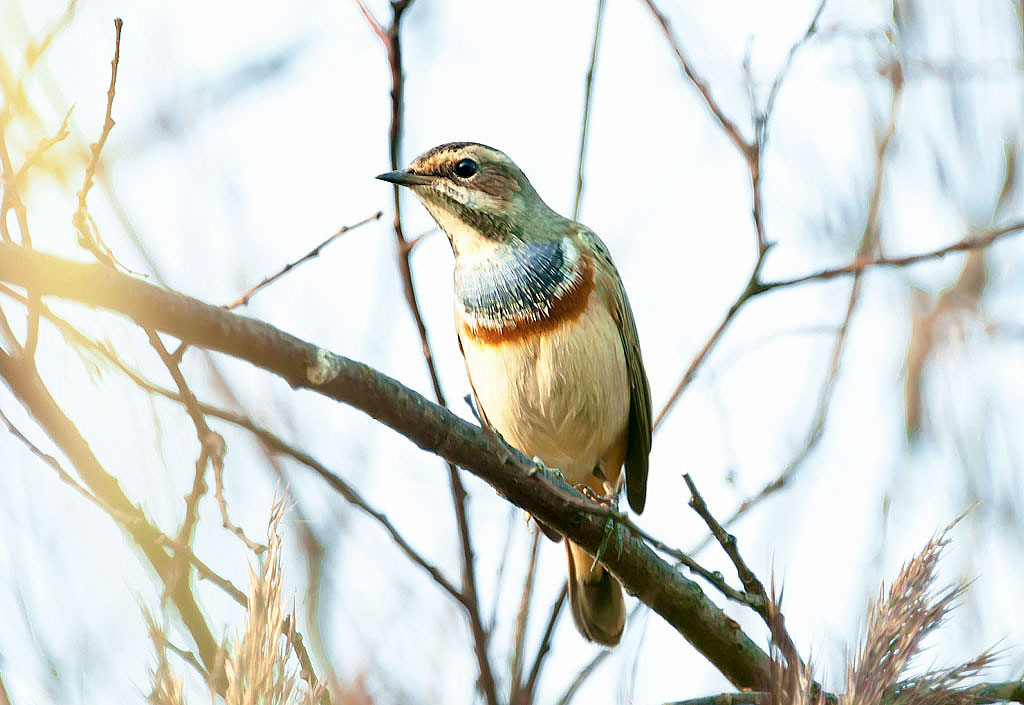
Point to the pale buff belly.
(562, 395)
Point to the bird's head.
(478, 196)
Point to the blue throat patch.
(518, 281)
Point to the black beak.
(403, 178)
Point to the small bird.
(549, 342)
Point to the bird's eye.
(466, 168)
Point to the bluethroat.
(549, 341)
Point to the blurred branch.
(751, 151)
(594, 663)
(812, 29)
(4, 699)
(390, 37)
(680, 601)
(749, 291)
(588, 92)
(63, 474)
(88, 235)
(755, 287)
(24, 381)
(12, 201)
(814, 433)
(519, 633)
(527, 691)
(315, 252)
(203, 570)
(727, 125)
(600, 657)
(268, 439)
(860, 264)
(869, 245)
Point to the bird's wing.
(639, 441)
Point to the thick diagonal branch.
(657, 583)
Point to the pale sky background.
(248, 132)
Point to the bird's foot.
(588, 492)
(540, 467)
(609, 528)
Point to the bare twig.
(751, 151)
(773, 92)
(88, 235)
(863, 263)
(63, 474)
(591, 666)
(12, 201)
(588, 92)
(868, 247)
(44, 146)
(600, 657)
(315, 252)
(727, 125)
(859, 264)
(814, 433)
(267, 438)
(751, 585)
(390, 38)
(749, 291)
(30, 390)
(519, 633)
(527, 691)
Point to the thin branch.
(88, 235)
(48, 459)
(591, 666)
(751, 152)
(499, 579)
(868, 246)
(270, 440)
(600, 657)
(814, 433)
(25, 383)
(527, 691)
(861, 264)
(203, 570)
(519, 633)
(12, 201)
(749, 291)
(727, 125)
(44, 146)
(588, 92)
(212, 451)
(773, 92)
(391, 39)
(315, 252)
(751, 585)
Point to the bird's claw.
(588, 492)
(609, 528)
(540, 467)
